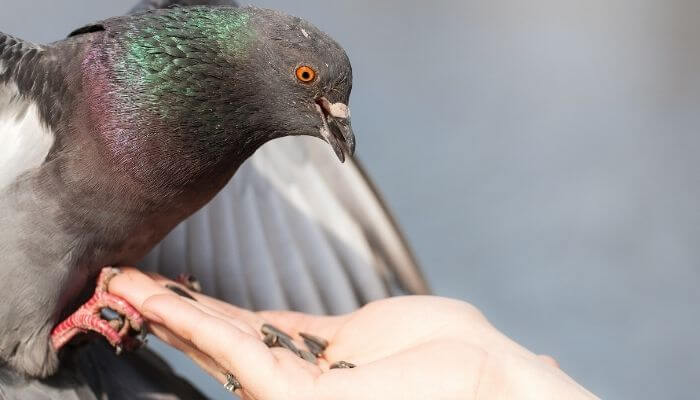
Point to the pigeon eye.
(306, 74)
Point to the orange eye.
(306, 74)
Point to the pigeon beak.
(336, 128)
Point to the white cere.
(339, 110)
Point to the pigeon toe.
(106, 314)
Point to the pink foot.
(87, 318)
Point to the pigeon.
(130, 125)
(121, 131)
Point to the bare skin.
(404, 348)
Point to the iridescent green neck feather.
(169, 54)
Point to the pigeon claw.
(106, 314)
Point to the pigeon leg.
(89, 317)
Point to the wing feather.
(360, 198)
(302, 291)
(230, 277)
(294, 229)
(265, 287)
(172, 260)
(25, 137)
(200, 248)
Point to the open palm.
(403, 348)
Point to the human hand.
(404, 348)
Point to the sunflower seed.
(315, 344)
(270, 340)
(289, 345)
(180, 291)
(308, 356)
(342, 364)
(268, 329)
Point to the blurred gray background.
(542, 158)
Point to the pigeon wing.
(26, 109)
(294, 229)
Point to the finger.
(135, 287)
(241, 324)
(252, 323)
(285, 359)
(277, 350)
(215, 304)
(205, 362)
(549, 360)
(168, 337)
(254, 364)
(289, 322)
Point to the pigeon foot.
(102, 314)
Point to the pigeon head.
(185, 93)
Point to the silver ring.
(232, 384)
